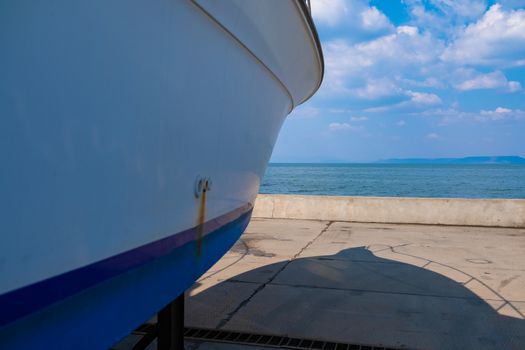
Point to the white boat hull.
(110, 113)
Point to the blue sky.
(413, 78)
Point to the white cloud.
(453, 115)
(465, 9)
(501, 113)
(335, 127)
(423, 98)
(492, 80)
(404, 47)
(378, 61)
(417, 100)
(426, 19)
(429, 82)
(409, 30)
(498, 38)
(355, 14)
(442, 17)
(339, 126)
(375, 89)
(401, 123)
(358, 119)
(329, 12)
(514, 86)
(386, 71)
(374, 20)
(448, 116)
(432, 136)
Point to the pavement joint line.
(388, 247)
(373, 271)
(478, 267)
(502, 305)
(370, 290)
(357, 260)
(458, 226)
(470, 280)
(380, 292)
(230, 315)
(469, 275)
(426, 264)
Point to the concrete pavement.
(414, 286)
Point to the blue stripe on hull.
(101, 315)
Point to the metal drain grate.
(271, 340)
(214, 335)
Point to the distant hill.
(466, 160)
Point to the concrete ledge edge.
(399, 210)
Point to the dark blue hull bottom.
(101, 315)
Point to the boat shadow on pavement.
(356, 297)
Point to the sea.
(397, 180)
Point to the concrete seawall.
(402, 210)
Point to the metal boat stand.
(170, 325)
(169, 329)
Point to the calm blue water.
(466, 181)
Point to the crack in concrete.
(243, 303)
